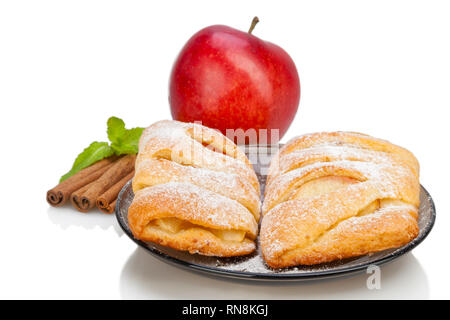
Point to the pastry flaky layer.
(195, 191)
(337, 195)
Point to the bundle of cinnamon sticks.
(97, 185)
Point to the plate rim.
(315, 275)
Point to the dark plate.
(252, 267)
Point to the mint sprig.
(123, 141)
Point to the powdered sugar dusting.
(179, 175)
(384, 171)
(196, 204)
(254, 264)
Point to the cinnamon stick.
(75, 199)
(107, 201)
(59, 195)
(85, 199)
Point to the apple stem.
(254, 22)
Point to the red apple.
(229, 79)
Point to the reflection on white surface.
(143, 276)
(66, 217)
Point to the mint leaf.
(123, 141)
(116, 129)
(128, 142)
(95, 152)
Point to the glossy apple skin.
(229, 79)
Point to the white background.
(379, 67)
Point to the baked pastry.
(337, 195)
(195, 190)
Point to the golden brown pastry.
(195, 190)
(337, 195)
